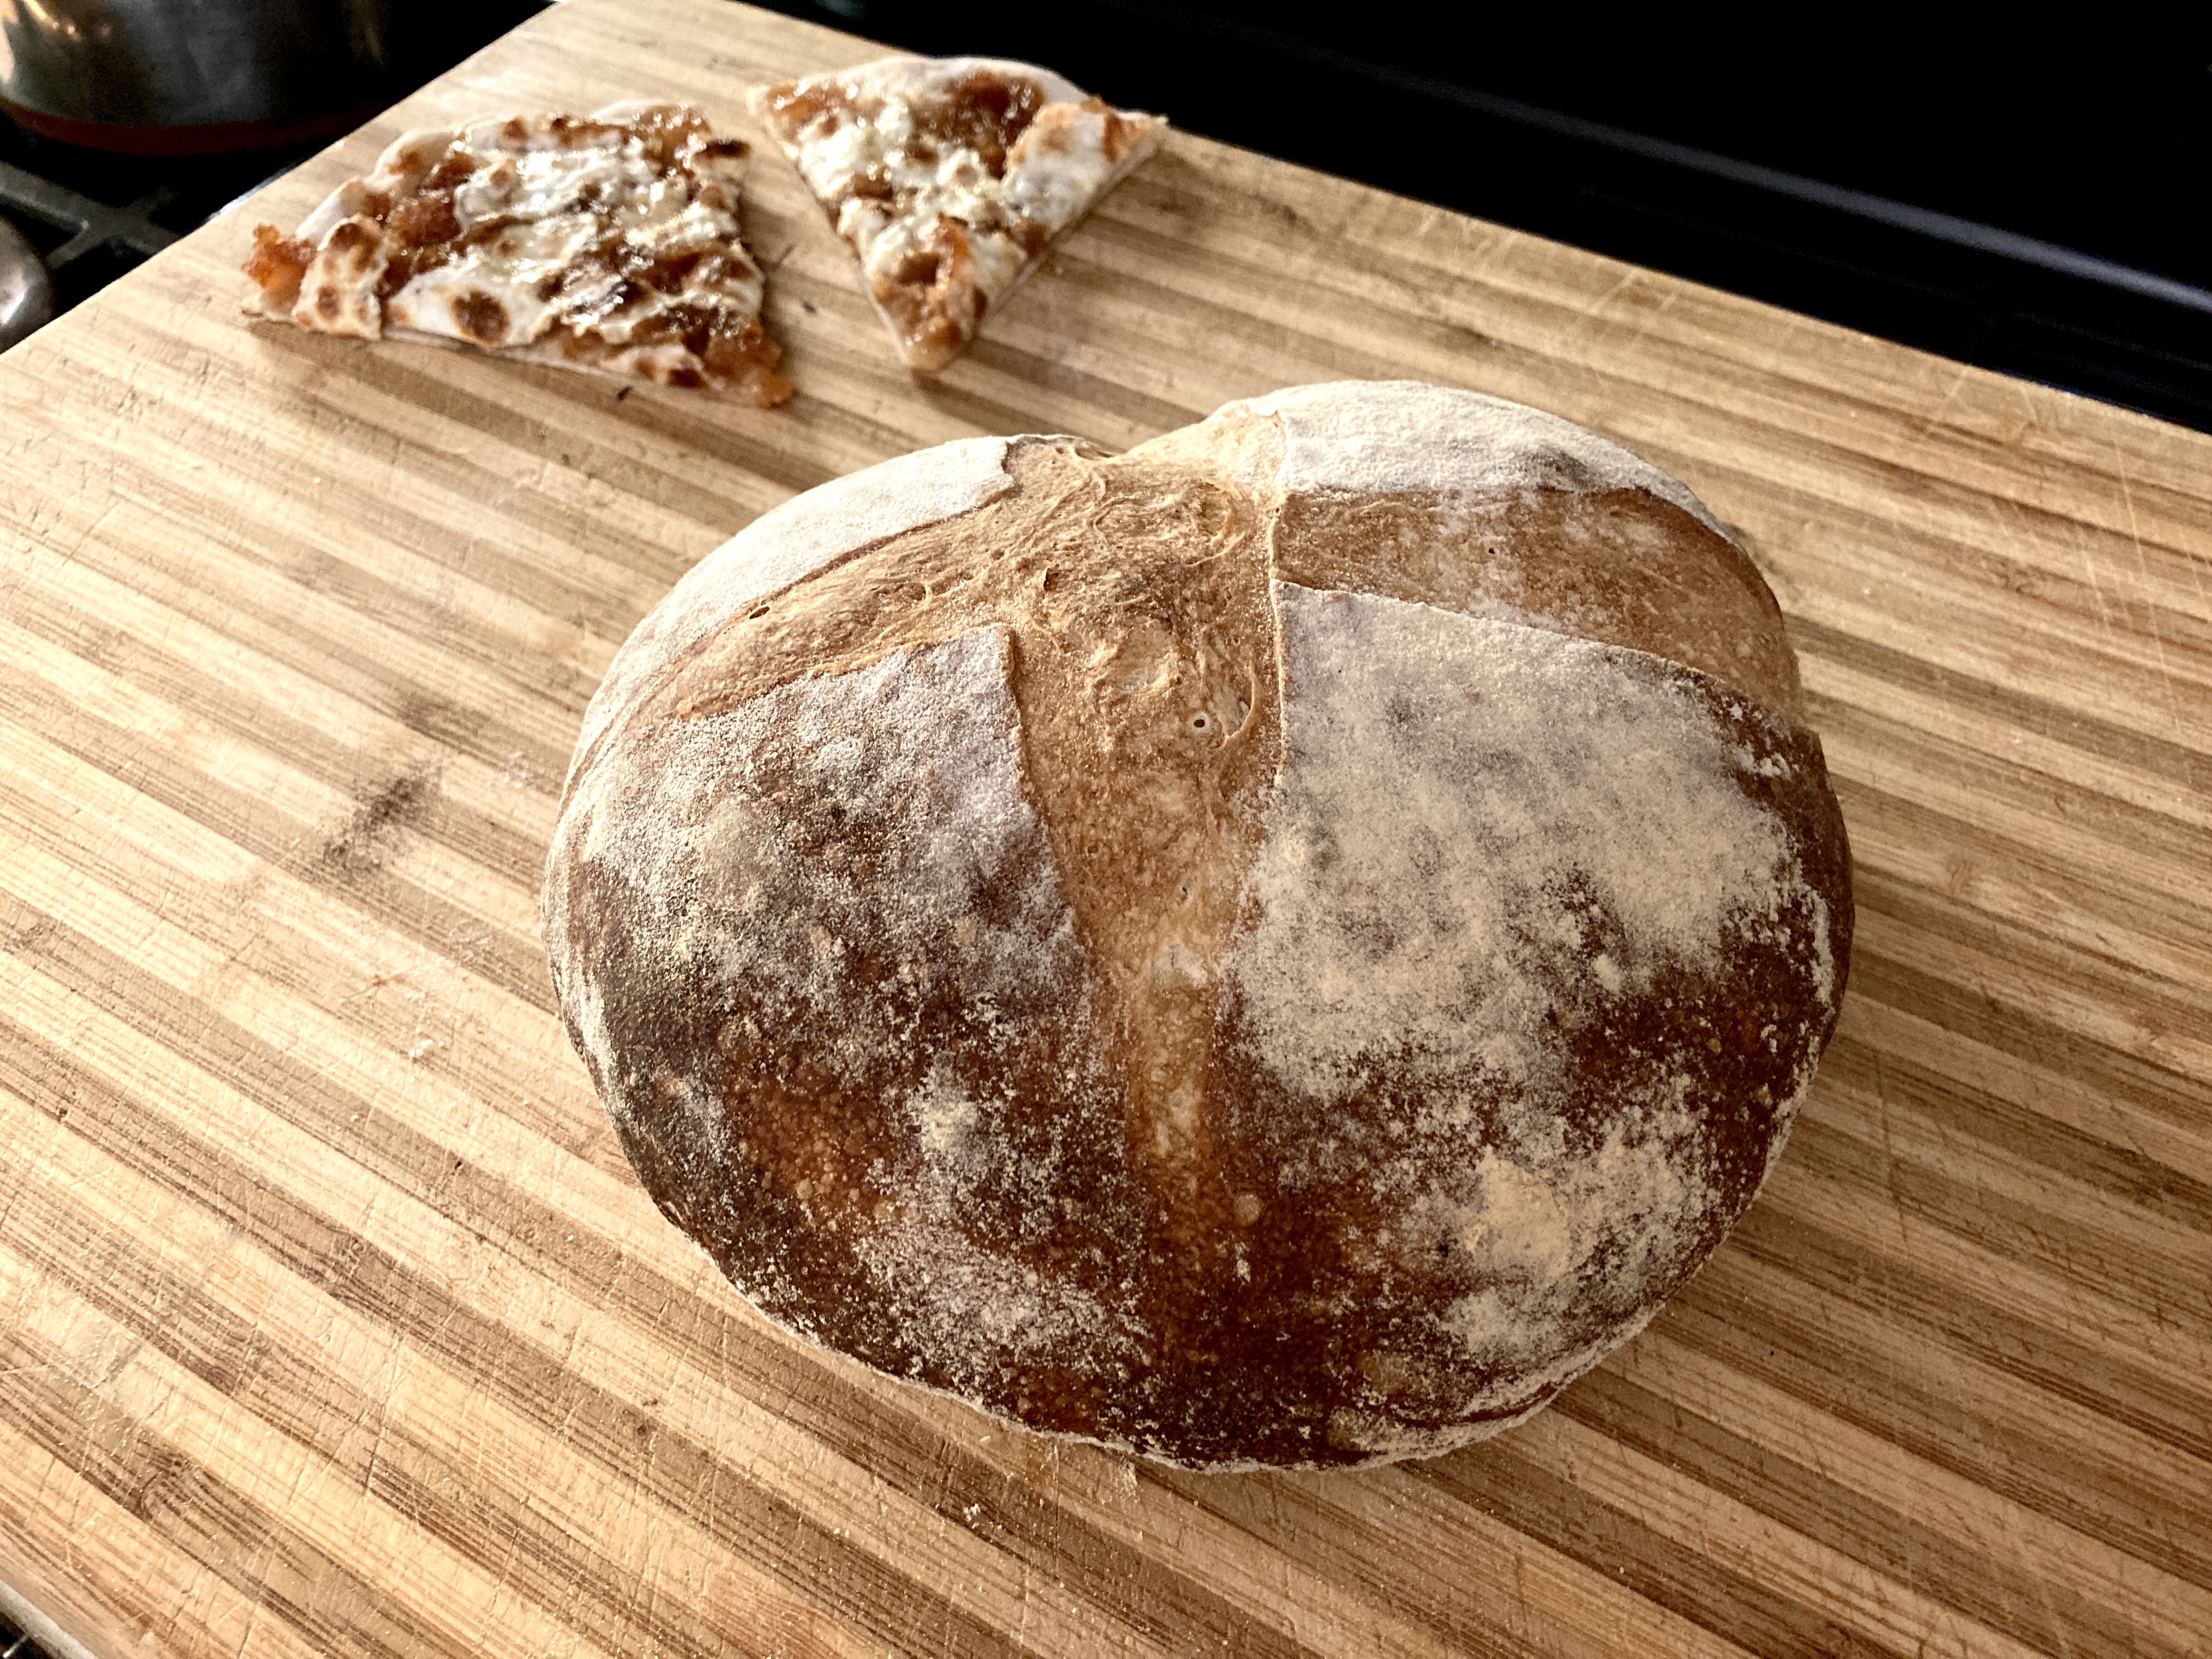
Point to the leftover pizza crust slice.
(948, 178)
(607, 242)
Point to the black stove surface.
(92, 216)
(2027, 200)
(2017, 204)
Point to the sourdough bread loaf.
(1282, 947)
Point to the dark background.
(2093, 137)
(2035, 200)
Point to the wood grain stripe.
(336, 1260)
(2053, 1560)
(2018, 1604)
(172, 685)
(92, 1564)
(196, 1512)
(2136, 1503)
(349, 858)
(1508, 1592)
(1969, 1010)
(2185, 766)
(1689, 1582)
(485, 1498)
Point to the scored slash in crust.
(608, 242)
(949, 178)
(1283, 947)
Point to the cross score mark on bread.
(1281, 947)
(607, 242)
(948, 178)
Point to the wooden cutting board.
(332, 1322)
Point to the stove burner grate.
(90, 225)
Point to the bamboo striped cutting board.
(332, 1320)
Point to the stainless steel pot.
(27, 294)
(192, 76)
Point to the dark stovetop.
(93, 216)
(2030, 206)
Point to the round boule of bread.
(1281, 947)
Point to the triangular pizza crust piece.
(949, 178)
(608, 242)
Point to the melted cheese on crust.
(943, 228)
(611, 242)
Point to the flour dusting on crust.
(1570, 840)
(842, 885)
(1396, 436)
(1551, 801)
(1522, 944)
(790, 543)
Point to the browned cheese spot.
(480, 318)
(455, 169)
(985, 111)
(352, 242)
(428, 218)
(419, 157)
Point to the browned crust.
(1618, 566)
(1254, 1320)
(276, 266)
